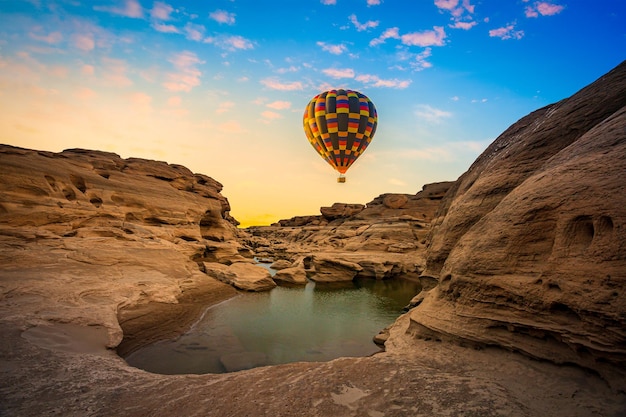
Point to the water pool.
(317, 322)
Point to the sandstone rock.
(280, 264)
(292, 275)
(329, 269)
(242, 275)
(341, 210)
(528, 248)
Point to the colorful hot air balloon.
(340, 124)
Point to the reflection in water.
(319, 322)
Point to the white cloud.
(230, 43)
(222, 16)
(362, 26)
(507, 32)
(279, 105)
(194, 32)
(433, 37)
(543, 8)
(375, 81)
(187, 76)
(421, 62)
(275, 84)
(373, 2)
(339, 72)
(431, 114)
(164, 28)
(51, 38)
(328, 2)
(161, 11)
(461, 13)
(333, 49)
(391, 33)
(84, 41)
(127, 8)
(271, 115)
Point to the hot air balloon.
(340, 124)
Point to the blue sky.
(220, 86)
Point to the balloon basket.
(341, 179)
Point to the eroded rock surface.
(526, 254)
(528, 251)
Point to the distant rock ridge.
(528, 248)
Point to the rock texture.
(528, 250)
(524, 252)
(386, 238)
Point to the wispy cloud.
(161, 11)
(126, 8)
(543, 8)
(421, 62)
(222, 16)
(333, 49)
(391, 33)
(507, 32)
(50, 38)
(279, 105)
(269, 115)
(461, 13)
(328, 2)
(84, 41)
(376, 81)
(339, 72)
(275, 84)
(431, 114)
(373, 2)
(435, 37)
(370, 24)
(194, 32)
(230, 43)
(165, 28)
(187, 75)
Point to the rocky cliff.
(528, 249)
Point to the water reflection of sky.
(317, 322)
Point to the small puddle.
(314, 323)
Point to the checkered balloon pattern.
(340, 124)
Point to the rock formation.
(525, 251)
(382, 239)
(528, 250)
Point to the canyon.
(521, 261)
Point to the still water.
(317, 322)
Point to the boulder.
(292, 275)
(280, 264)
(242, 275)
(326, 268)
(341, 210)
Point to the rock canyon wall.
(528, 249)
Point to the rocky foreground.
(522, 262)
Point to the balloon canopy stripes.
(340, 124)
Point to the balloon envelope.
(340, 124)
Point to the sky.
(220, 86)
